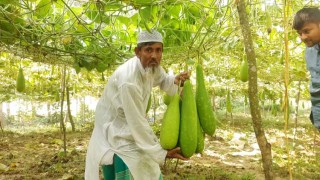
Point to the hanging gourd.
(20, 81)
(244, 73)
(149, 105)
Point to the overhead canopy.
(97, 34)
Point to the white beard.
(152, 71)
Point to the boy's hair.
(306, 15)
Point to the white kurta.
(121, 126)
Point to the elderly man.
(122, 140)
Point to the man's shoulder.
(311, 53)
(127, 71)
(311, 49)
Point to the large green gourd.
(204, 107)
(149, 105)
(188, 122)
(20, 81)
(167, 99)
(244, 73)
(200, 140)
(169, 132)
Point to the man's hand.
(180, 78)
(175, 153)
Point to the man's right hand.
(176, 153)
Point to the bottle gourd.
(20, 81)
(204, 107)
(169, 132)
(188, 121)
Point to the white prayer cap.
(146, 36)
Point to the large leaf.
(43, 8)
(174, 11)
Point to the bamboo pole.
(286, 7)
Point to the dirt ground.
(40, 156)
(230, 154)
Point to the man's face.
(150, 55)
(310, 34)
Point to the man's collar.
(141, 69)
(316, 47)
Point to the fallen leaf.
(3, 168)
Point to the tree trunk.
(296, 113)
(62, 125)
(49, 111)
(68, 104)
(297, 106)
(286, 14)
(1, 118)
(213, 100)
(8, 114)
(33, 108)
(264, 146)
(69, 110)
(83, 109)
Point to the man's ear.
(137, 51)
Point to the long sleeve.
(166, 82)
(141, 131)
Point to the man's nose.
(153, 54)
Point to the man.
(122, 140)
(307, 23)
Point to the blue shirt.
(312, 56)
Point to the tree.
(265, 147)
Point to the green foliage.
(43, 8)
(100, 35)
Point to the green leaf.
(145, 13)
(76, 10)
(43, 8)
(102, 66)
(190, 62)
(77, 67)
(124, 20)
(57, 141)
(174, 11)
(88, 63)
(142, 2)
(194, 11)
(6, 2)
(112, 5)
(134, 18)
(6, 26)
(3, 168)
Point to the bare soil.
(232, 153)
